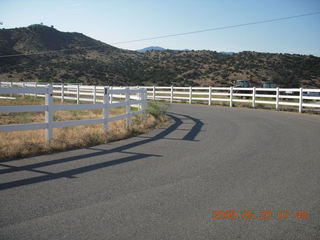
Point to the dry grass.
(26, 143)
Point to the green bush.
(157, 109)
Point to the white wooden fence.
(136, 97)
(276, 97)
(299, 98)
(71, 92)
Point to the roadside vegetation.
(157, 109)
(27, 143)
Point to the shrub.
(157, 109)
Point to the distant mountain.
(93, 62)
(154, 48)
(228, 53)
(151, 48)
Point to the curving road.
(165, 184)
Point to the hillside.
(94, 62)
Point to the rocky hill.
(94, 62)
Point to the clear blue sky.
(119, 20)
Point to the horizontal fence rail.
(124, 97)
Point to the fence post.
(49, 114)
(277, 98)
(209, 98)
(190, 95)
(11, 85)
(94, 94)
(24, 85)
(105, 109)
(171, 96)
(145, 102)
(140, 98)
(300, 100)
(78, 94)
(35, 85)
(154, 93)
(231, 96)
(111, 96)
(142, 105)
(62, 92)
(254, 97)
(128, 108)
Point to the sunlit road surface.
(166, 184)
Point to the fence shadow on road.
(194, 131)
(47, 175)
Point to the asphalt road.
(165, 184)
